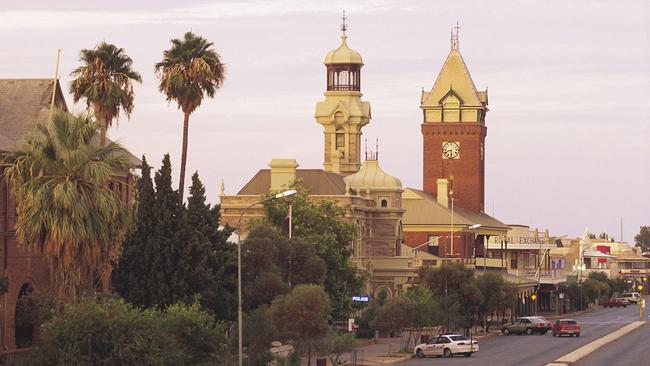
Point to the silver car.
(447, 345)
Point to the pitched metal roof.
(319, 182)
(25, 102)
(423, 209)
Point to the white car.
(447, 345)
(632, 297)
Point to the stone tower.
(454, 131)
(342, 113)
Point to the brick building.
(24, 102)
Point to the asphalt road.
(541, 349)
(629, 350)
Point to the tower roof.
(343, 54)
(371, 176)
(455, 77)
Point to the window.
(433, 243)
(384, 203)
(340, 140)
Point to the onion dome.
(372, 177)
(343, 54)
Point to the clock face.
(450, 149)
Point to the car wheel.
(529, 331)
(506, 331)
(468, 354)
(419, 353)
(447, 353)
(577, 334)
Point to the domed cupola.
(371, 177)
(343, 66)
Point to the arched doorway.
(25, 308)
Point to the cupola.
(372, 177)
(343, 66)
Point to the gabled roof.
(455, 76)
(319, 182)
(22, 103)
(25, 102)
(423, 209)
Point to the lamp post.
(239, 307)
(451, 229)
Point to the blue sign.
(362, 298)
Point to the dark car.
(566, 327)
(527, 325)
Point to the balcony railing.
(545, 275)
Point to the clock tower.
(454, 131)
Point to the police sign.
(361, 298)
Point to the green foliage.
(105, 81)
(301, 314)
(108, 331)
(455, 286)
(323, 224)
(259, 331)
(271, 264)
(498, 295)
(174, 253)
(642, 239)
(66, 212)
(333, 345)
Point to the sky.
(568, 144)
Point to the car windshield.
(568, 322)
(459, 338)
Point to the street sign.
(361, 298)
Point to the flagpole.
(56, 79)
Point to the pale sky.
(568, 142)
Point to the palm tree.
(66, 213)
(105, 81)
(188, 70)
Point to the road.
(541, 349)
(630, 350)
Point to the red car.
(615, 302)
(566, 326)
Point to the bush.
(102, 330)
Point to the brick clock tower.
(454, 131)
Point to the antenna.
(377, 149)
(344, 24)
(366, 148)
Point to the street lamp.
(239, 307)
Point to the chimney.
(443, 192)
(283, 172)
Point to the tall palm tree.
(188, 70)
(105, 81)
(66, 213)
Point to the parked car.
(632, 297)
(527, 325)
(615, 302)
(566, 327)
(447, 345)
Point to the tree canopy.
(642, 239)
(66, 211)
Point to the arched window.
(24, 318)
(384, 203)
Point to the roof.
(319, 182)
(25, 102)
(423, 209)
(343, 54)
(454, 76)
(631, 257)
(371, 176)
(516, 280)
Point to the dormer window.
(383, 202)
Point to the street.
(630, 350)
(502, 350)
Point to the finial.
(366, 148)
(377, 149)
(454, 37)
(344, 24)
(223, 188)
